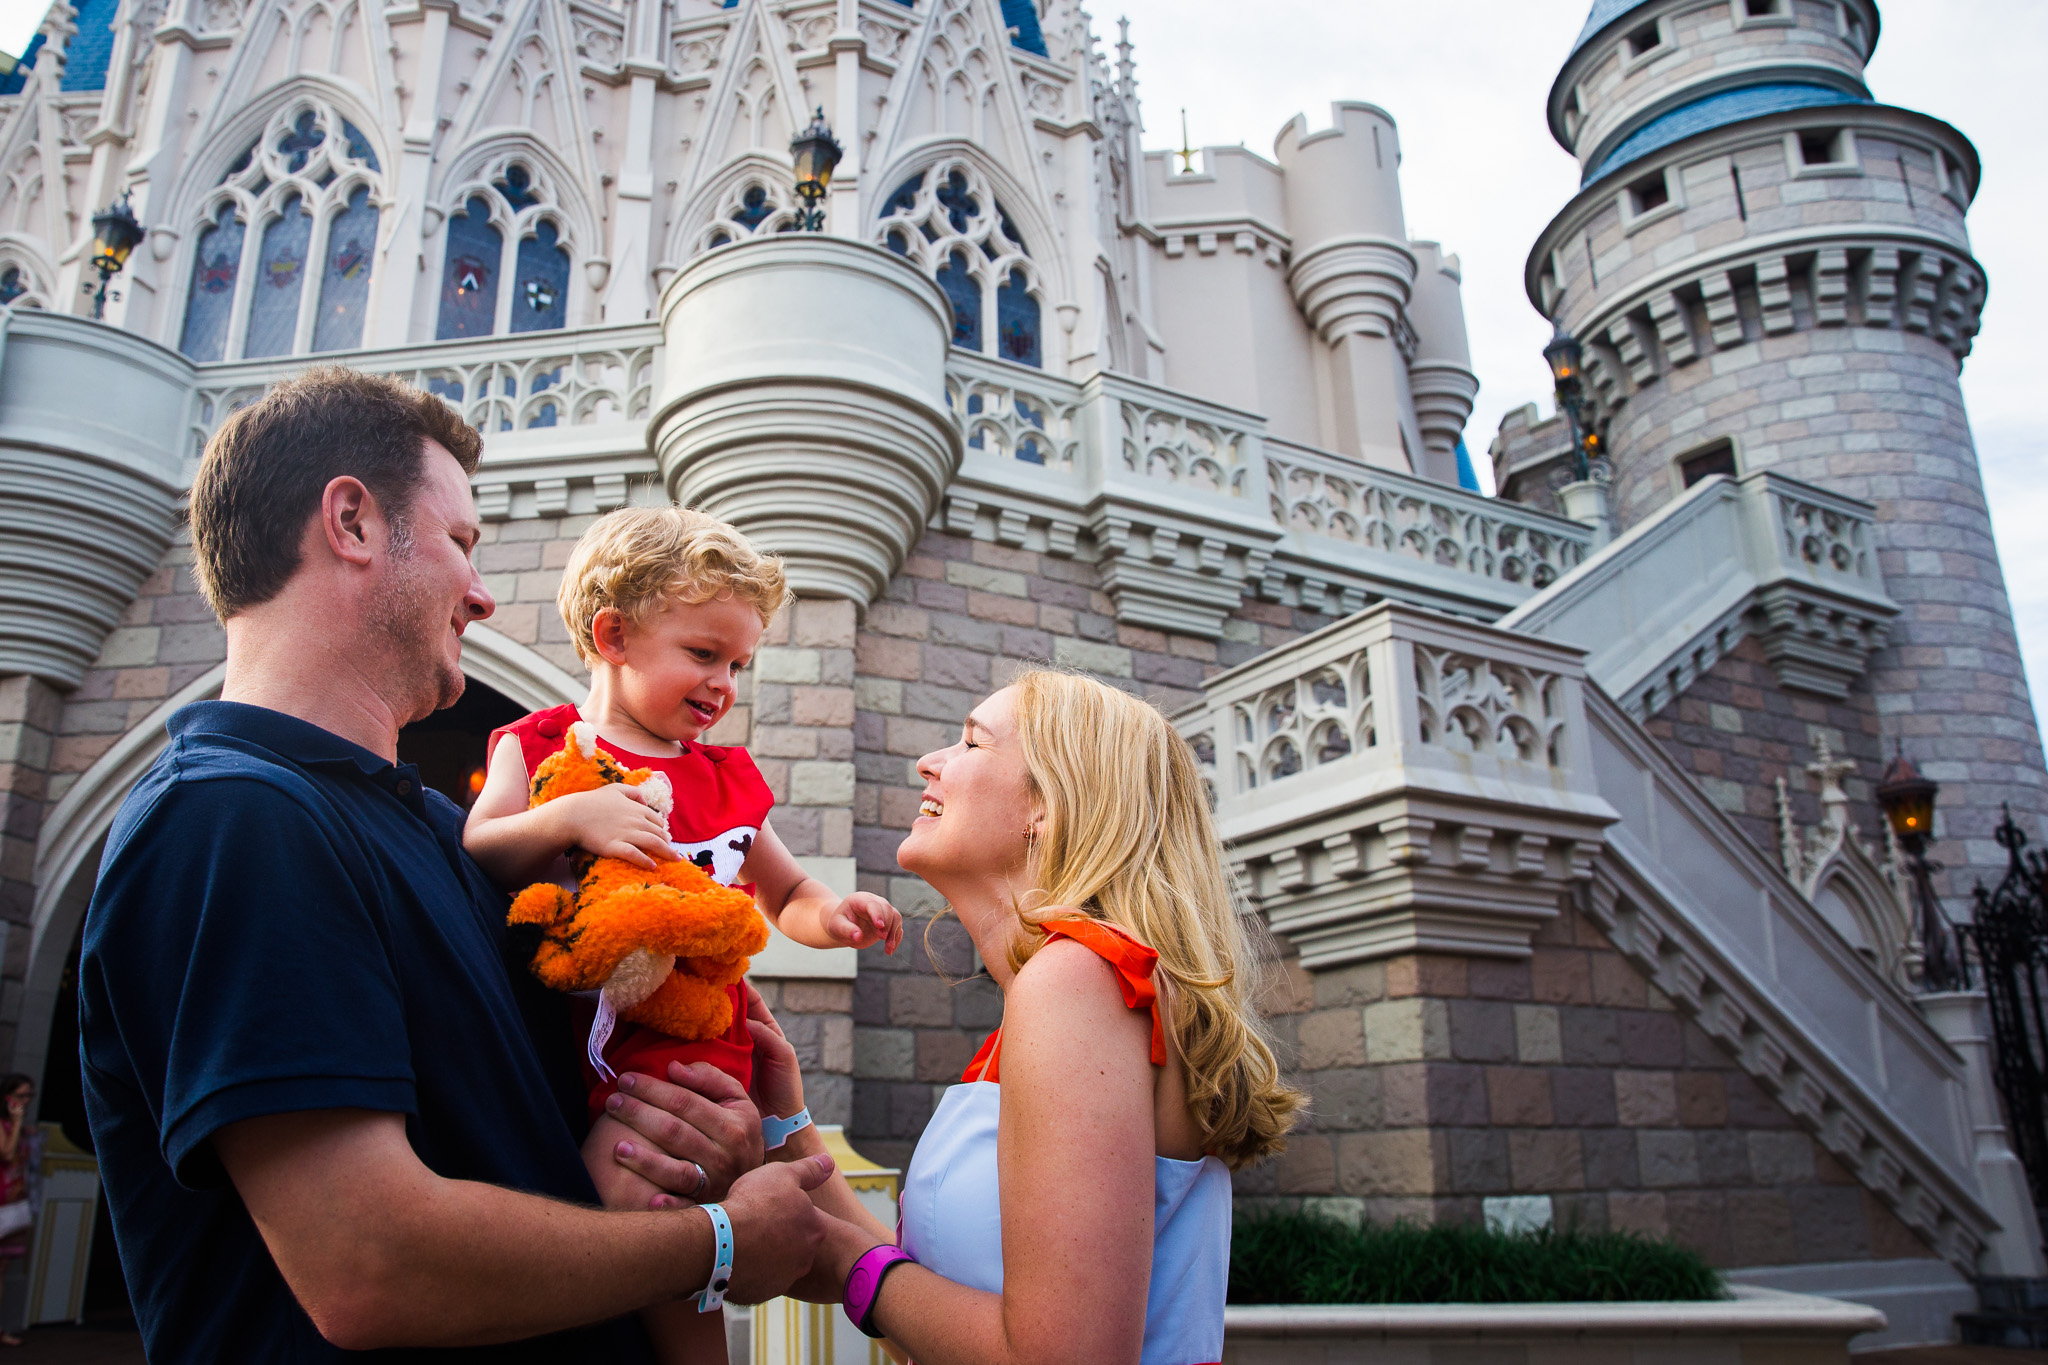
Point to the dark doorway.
(449, 746)
(63, 1103)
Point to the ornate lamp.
(1906, 796)
(115, 234)
(814, 152)
(1563, 354)
(1907, 799)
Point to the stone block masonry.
(1441, 1081)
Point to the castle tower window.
(505, 259)
(1765, 9)
(948, 221)
(1718, 457)
(1821, 148)
(310, 186)
(11, 285)
(750, 208)
(1645, 40)
(1649, 194)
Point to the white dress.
(953, 1224)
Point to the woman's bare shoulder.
(1068, 990)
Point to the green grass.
(1308, 1258)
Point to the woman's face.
(977, 802)
(19, 1099)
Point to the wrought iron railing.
(2008, 935)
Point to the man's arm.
(381, 1252)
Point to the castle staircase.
(1405, 782)
(1766, 555)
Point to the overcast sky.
(1466, 80)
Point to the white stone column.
(407, 223)
(1963, 1018)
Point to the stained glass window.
(345, 282)
(754, 207)
(210, 303)
(965, 293)
(469, 274)
(517, 187)
(299, 141)
(279, 283)
(540, 291)
(12, 286)
(1017, 321)
(359, 146)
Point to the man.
(321, 1117)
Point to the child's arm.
(807, 911)
(516, 846)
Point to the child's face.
(678, 668)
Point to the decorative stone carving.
(803, 399)
(88, 491)
(1403, 782)
(1857, 890)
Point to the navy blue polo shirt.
(284, 922)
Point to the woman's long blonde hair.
(1128, 838)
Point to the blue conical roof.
(1604, 13)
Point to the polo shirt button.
(550, 728)
(404, 788)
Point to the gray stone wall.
(1441, 1081)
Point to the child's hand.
(864, 918)
(612, 822)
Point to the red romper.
(721, 802)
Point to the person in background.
(20, 1147)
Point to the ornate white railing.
(1315, 493)
(1188, 505)
(1792, 564)
(587, 377)
(1403, 781)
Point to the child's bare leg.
(681, 1335)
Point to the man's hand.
(698, 1119)
(611, 822)
(777, 1230)
(864, 918)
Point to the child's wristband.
(713, 1297)
(775, 1131)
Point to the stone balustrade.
(1402, 782)
(1188, 506)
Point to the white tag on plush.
(600, 1034)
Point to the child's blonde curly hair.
(637, 558)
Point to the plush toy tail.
(543, 903)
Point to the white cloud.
(18, 21)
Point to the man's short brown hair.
(264, 472)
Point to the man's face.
(429, 591)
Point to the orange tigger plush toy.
(662, 946)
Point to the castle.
(1561, 825)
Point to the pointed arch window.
(296, 211)
(752, 207)
(948, 220)
(12, 285)
(506, 256)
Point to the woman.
(1072, 1202)
(19, 1147)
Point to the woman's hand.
(778, 1082)
(843, 1244)
(697, 1120)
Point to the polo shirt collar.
(298, 741)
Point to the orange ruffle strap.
(1133, 963)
